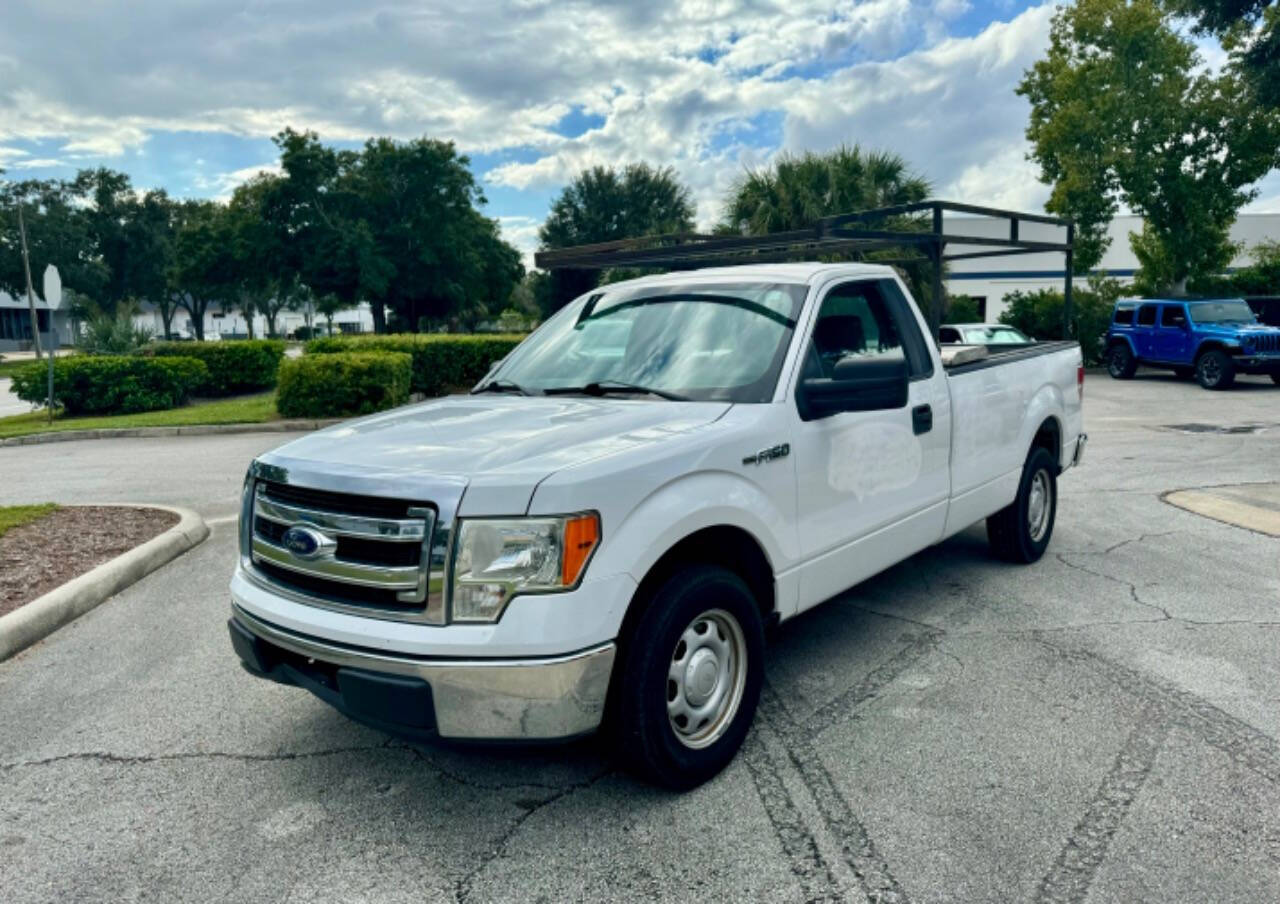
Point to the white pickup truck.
(600, 533)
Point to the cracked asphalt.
(1101, 726)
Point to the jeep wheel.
(1020, 531)
(1120, 362)
(1215, 370)
(690, 678)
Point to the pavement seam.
(103, 756)
(1086, 847)
(857, 848)
(463, 887)
(804, 857)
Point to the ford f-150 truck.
(600, 533)
(1210, 339)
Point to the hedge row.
(112, 384)
(441, 361)
(234, 367)
(342, 384)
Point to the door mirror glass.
(856, 384)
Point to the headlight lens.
(496, 559)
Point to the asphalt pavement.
(1100, 726)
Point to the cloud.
(522, 232)
(221, 185)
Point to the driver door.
(872, 486)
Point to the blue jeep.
(1212, 340)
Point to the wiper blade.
(603, 387)
(501, 386)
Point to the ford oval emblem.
(305, 542)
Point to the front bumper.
(491, 699)
(1257, 364)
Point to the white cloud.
(221, 185)
(522, 232)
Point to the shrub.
(235, 366)
(111, 384)
(106, 334)
(961, 309)
(441, 361)
(344, 383)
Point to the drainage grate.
(1219, 428)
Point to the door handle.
(921, 419)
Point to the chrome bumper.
(488, 699)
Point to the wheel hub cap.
(706, 678)
(1039, 503)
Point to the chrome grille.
(382, 557)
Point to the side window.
(1173, 315)
(1124, 315)
(948, 334)
(866, 319)
(1147, 315)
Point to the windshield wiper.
(603, 387)
(501, 386)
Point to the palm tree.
(798, 190)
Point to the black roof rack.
(904, 226)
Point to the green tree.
(1250, 31)
(205, 266)
(798, 190)
(1123, 112)
(604, 204)
(57, 233)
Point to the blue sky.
(186, 95)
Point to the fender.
(1126, 339)
(690, 503)
(1046, 404)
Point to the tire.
(1020, 532)
(1120, 362)
(706, 619)
(1215, 370)
(1184, 373)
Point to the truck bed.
(958, 359)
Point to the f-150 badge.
(770, 454)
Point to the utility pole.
(31, 298)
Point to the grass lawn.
(250, 409)
(12, 516)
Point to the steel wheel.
(706, 677)
(1039, 505)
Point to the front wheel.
(690, 678)
(1120, 362)
(1215, 370)
(1020, 531)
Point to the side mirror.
(856, 384)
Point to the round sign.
(52, 287)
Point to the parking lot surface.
(1101, 726)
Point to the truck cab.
(1210, 339)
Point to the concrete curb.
(65, 436)
(44, 615)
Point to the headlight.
(496, 559)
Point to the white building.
(231, 323)
(989, 279)
(15, 324)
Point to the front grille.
(1266, 342)
(370, 553)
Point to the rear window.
(1124, 314)
(1147, 315)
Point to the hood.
(1242, 330)
(499, 446)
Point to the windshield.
(1221, 312)
(994, 335)
(701, 341)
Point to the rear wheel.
(1020, 531)
(1120, 362)
(1215, 370)
(690, 678)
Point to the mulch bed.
(45, 554)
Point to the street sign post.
(52, 300)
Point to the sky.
(186, 94)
